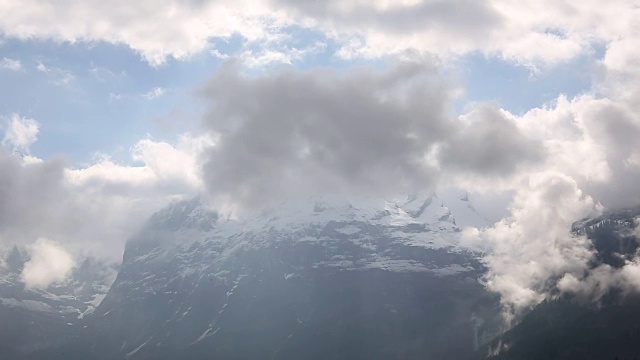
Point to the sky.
(111, 110)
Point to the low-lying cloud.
(531, 251)
(49, 263)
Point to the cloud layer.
(530, 33)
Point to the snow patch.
(131, 353)
(205, 334)
(396, 265)
(451, 270)
(349, 230)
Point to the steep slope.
(566, 329)
(317, 279)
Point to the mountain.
(572, 328)
(319, 278)
(34, 319)
(315, 279)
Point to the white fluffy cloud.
(155, 163)
(155, 29)
(155, 93)
(49, 263)
(529, 252)
(118, 198)
(530, 33)
(20, 132)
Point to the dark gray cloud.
(363, 131)
(27, 193)
(320, 130)
(616, 129)
(487, 142)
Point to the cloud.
(20, 132)
(590, 151)
(29, 193)
(593, 140)
(379, 132)
(58, 76)
(115, 199)
(43, 68)
(590, 143)
(156, 30)
(158, 167)
(532, 33)
(95, 208)
(371, 29)
(529, 252)
(294, 132)
(602, 278)
(630, 274)
(49, 263)
(10, 64)
(489, 142)
(276, 55)
(155, 93)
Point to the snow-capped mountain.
(318, 278)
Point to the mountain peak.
(194, 213)
(15, 260)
